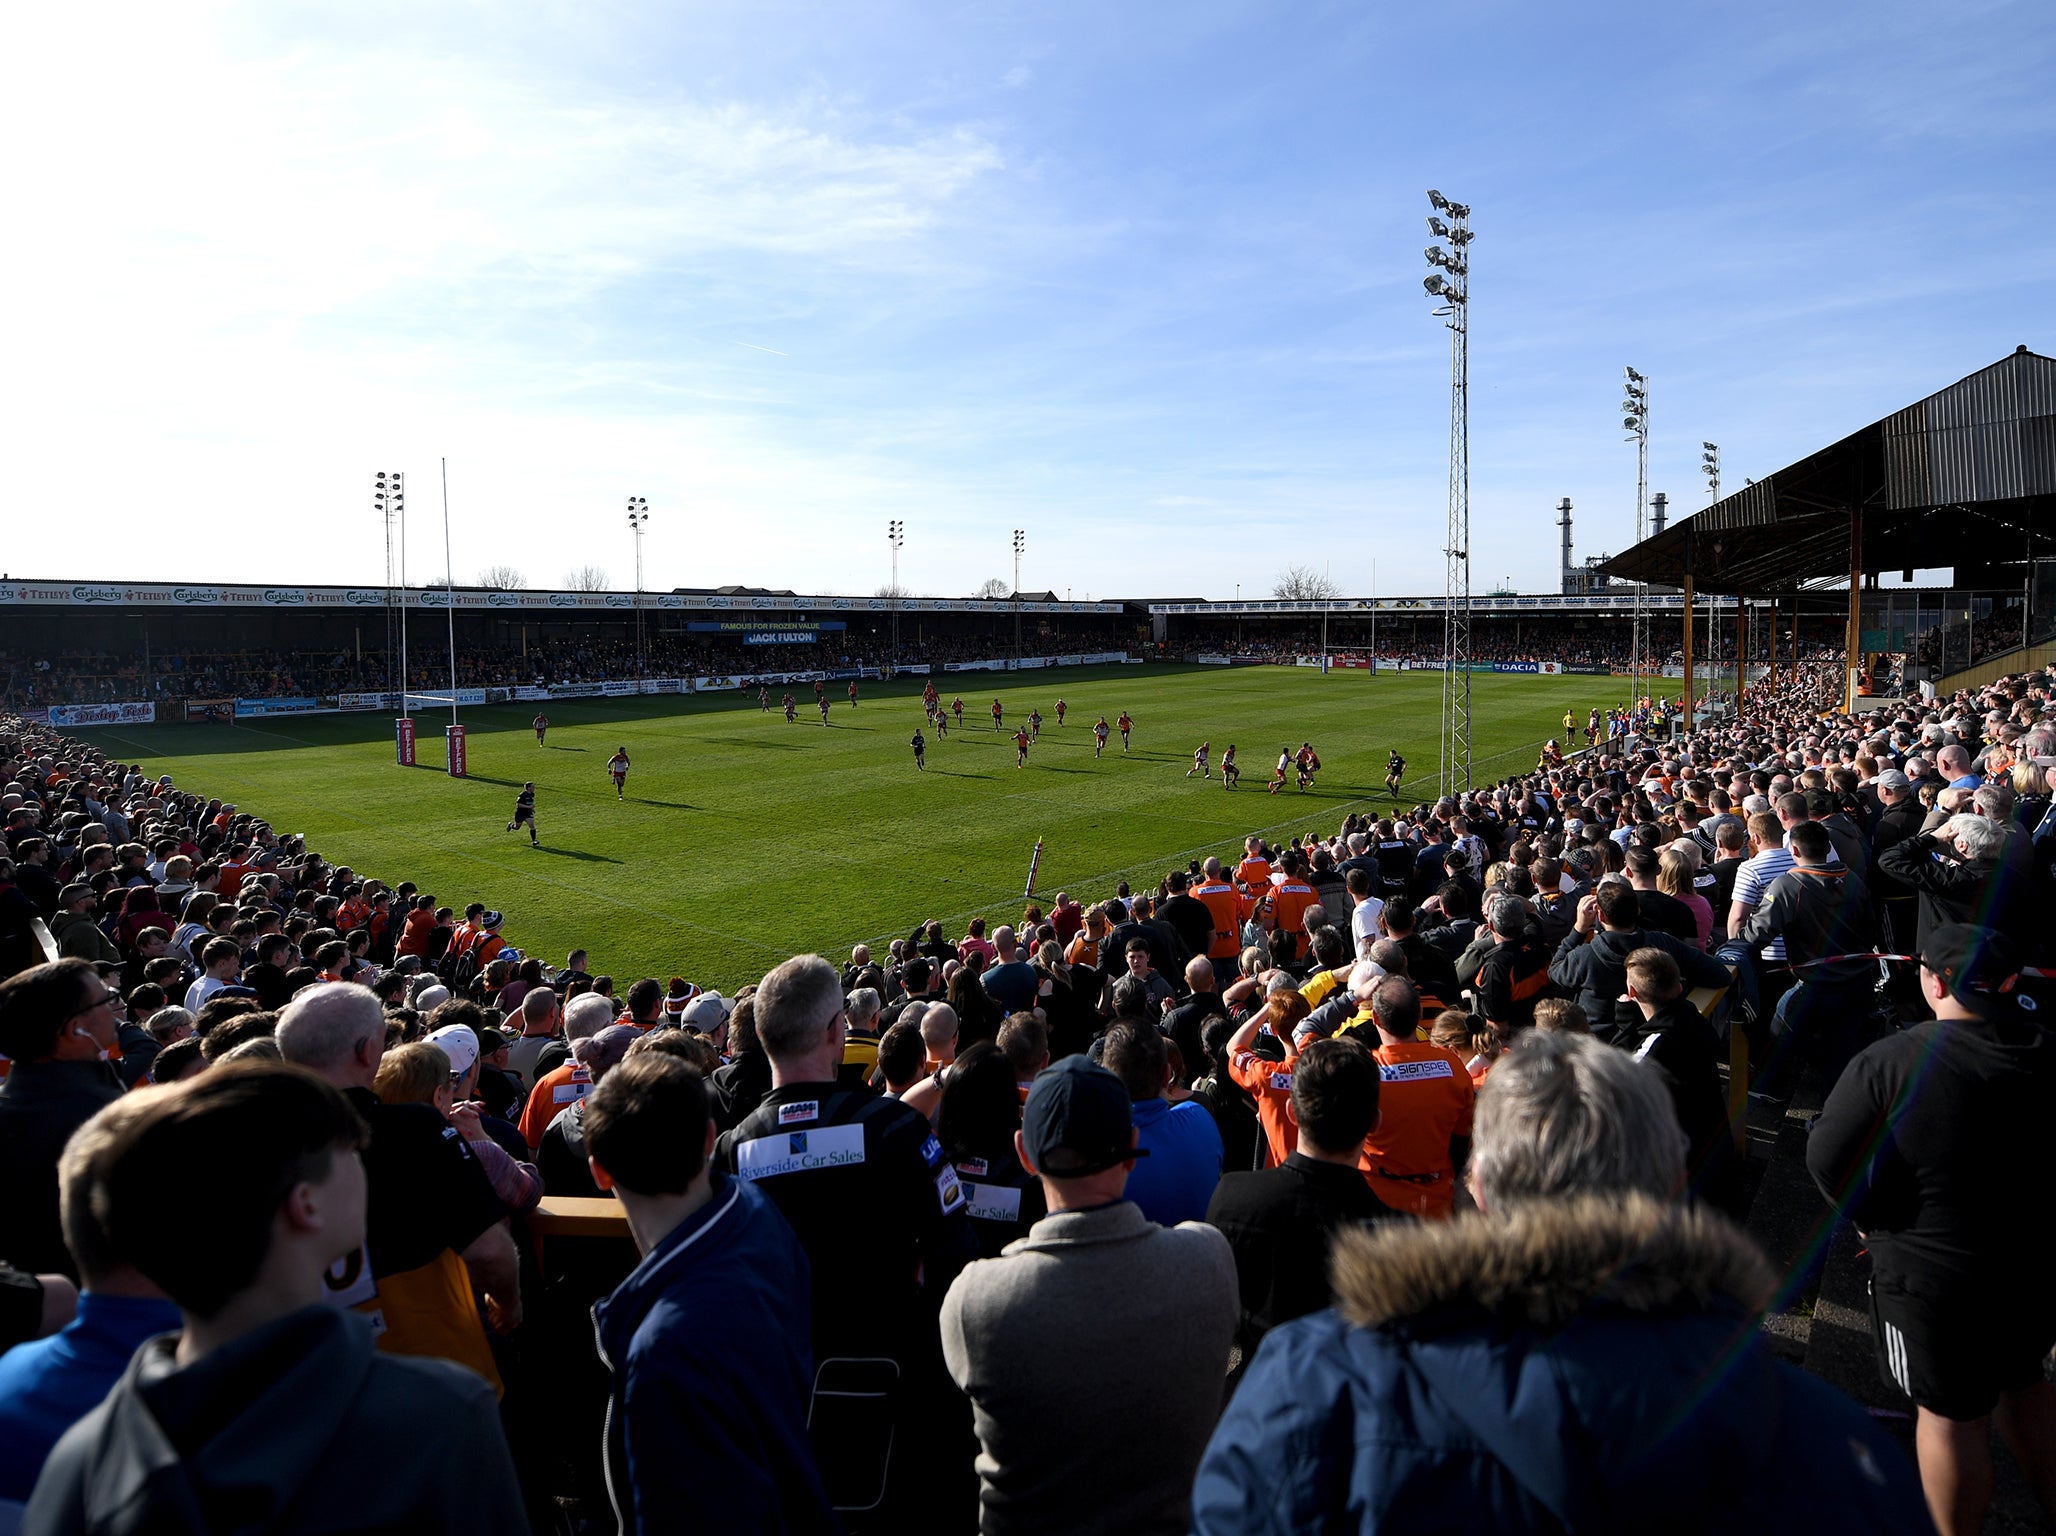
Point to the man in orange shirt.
(1290, 898)
(1228, 911)
(1423, 1136)
(1266, 1076)
(1253, 874)
(556, 1091)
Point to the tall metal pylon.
(1635, 409)
(1450, 282)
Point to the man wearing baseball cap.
(1921, 1145)
(1093, 1350)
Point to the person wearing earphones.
(57, 1027)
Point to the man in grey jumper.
(1094, 1349)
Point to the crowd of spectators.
(1376, 1176)
(2004, 627)
(72, 676)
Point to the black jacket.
(1279, 1223)
(1930, 1175)
(1817, 912)
(1595, 972)
(1183, 1024)
(1683, 1049)
(740, 1087)
(41, 1104)
(1513, 979)
(1188, 917)
(1989, 892)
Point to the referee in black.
(524, 812)
(1936, 1143)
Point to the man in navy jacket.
(708, 1339)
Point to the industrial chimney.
(1569, 583)
(1659, 507)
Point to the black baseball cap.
(1077, 1120)
(1970, 959)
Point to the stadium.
(785, 1053)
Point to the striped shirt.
(1753, 882)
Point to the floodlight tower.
(1635, 417)
(1450, 283)
(638, 520)
(895, 535)
(1020, 543)
(389, 497)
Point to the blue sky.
(1141, 280)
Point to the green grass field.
(744, 839)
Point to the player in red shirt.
(1020, 745)
(1126, 726)
(997, 712)
(957, 708)
(853, 693)
(1060, 712)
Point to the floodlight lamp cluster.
(1452, 265)
(896, 533)
(388, 493)
(1635, 408)
(1709, 465)
(638, 512)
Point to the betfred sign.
(403, 733)
(454, 735)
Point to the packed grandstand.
(1668, 941)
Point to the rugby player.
(1099, 736)
(617, 765)
(920, 744)
(1126, 725)
(1229, 772)
(1199, 760)
(542, 725)
(524, 811)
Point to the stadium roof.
(1964, 479)
(736, 601)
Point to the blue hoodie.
(49, 1385)
(710, 1345)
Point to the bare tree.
(1304, 584)
(994, 589)
(587, 578)
(503, 577)
(892, 589)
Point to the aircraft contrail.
(755, 348)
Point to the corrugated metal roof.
(1987, 441)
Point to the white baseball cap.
(457, 1042)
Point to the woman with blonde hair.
(1676, 867)
(420, 1074)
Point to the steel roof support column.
(1853, 656)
